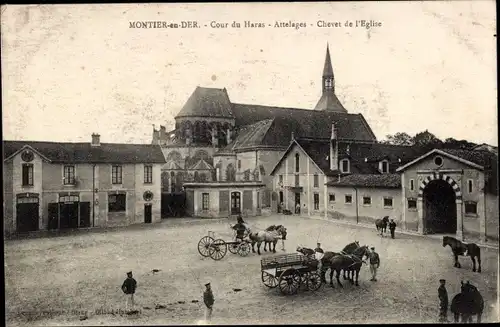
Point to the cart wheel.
(269, 280)
(289, 281)
(218, 249)
(314, 281)
(233, 247)
(204, 245)
(244, 249)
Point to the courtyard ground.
(53, 281)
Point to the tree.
(452, 143)
(399, 139)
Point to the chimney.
(334, 149)
(96, 139)
(163, 133)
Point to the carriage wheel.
(314, 281)
(204, 245)
(244, 249)
(289, 281)
(269, 280)
(218, 249)
(233, 247)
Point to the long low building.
(444, 191)
(51, 185)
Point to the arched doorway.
(439, 207)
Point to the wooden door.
(27, 216)
(85, 214)
(148, 213)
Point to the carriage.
(289, 272)
(216, 248)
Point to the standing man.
(208, 298)
(318, 254)
(392, 227)
(374, 264)
(443, 301)
(128, 287)
(297, 208)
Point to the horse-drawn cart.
(209, 246)
(289, 272)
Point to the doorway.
(297, 203)
(235, 203)
(148, 213)
(27, 214)
(440, 210)
(68, 215)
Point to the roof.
(207, 102)
(202, 165)
(306, 123)
(171, 165)
(327, 69)
(57, 152)
(369, 181)
(330, 102)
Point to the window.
(172, 181)
(316, 201)
(438, 161)
(412, 204)
(205, 201)
(297, 163)
(384, 167)
(367, 200)
(117, 202)
(332, 198)
(412, 185)
(258, 200)
(148, 174)
(387, 202)
(239, 164)
(281, 179)
(296, 180)
(27, 174)
(69, 175)
(348, 199)
(470, 208)
(328, 83)
(344, 165)
(116, 174)
(69, 198)
(316, 180)
(470, 185)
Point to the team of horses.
(269, 236)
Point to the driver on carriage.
(240, 228)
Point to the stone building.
(243, 142)
(52, 185)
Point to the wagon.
(209, 246)
(289, 272)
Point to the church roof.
(207, 102)
(202, 165)
(329, 101)
(368, 180)
(306, 123)
(65, 152)
(327, 69)
(171, 165)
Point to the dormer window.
(345, 166)
(384, 167)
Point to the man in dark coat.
(318, 254)
(128, 287)
(443, 301)
(392, 227)
(208, 299)
(374, 264)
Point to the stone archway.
(440, 205)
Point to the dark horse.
(467, 303)
(466, 249)
(347, 262)
(381, 224)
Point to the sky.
(72, 70)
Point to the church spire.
(328, 70)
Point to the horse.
(270, 229)
(305, 251)
(381, 225)
(465, 249)
(350, 262)
(266, 236)
(348, 249)
(467, 303)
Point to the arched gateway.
(440, 196)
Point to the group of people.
(373, 257)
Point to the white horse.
(268, 237)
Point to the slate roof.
(58, 152)
(171, 165)
(480, 157)
(330, 102)
(207, 102)
(202, 165)
(307, 123)
(369, 180)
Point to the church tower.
(328, 100)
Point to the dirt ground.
(62, 280)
